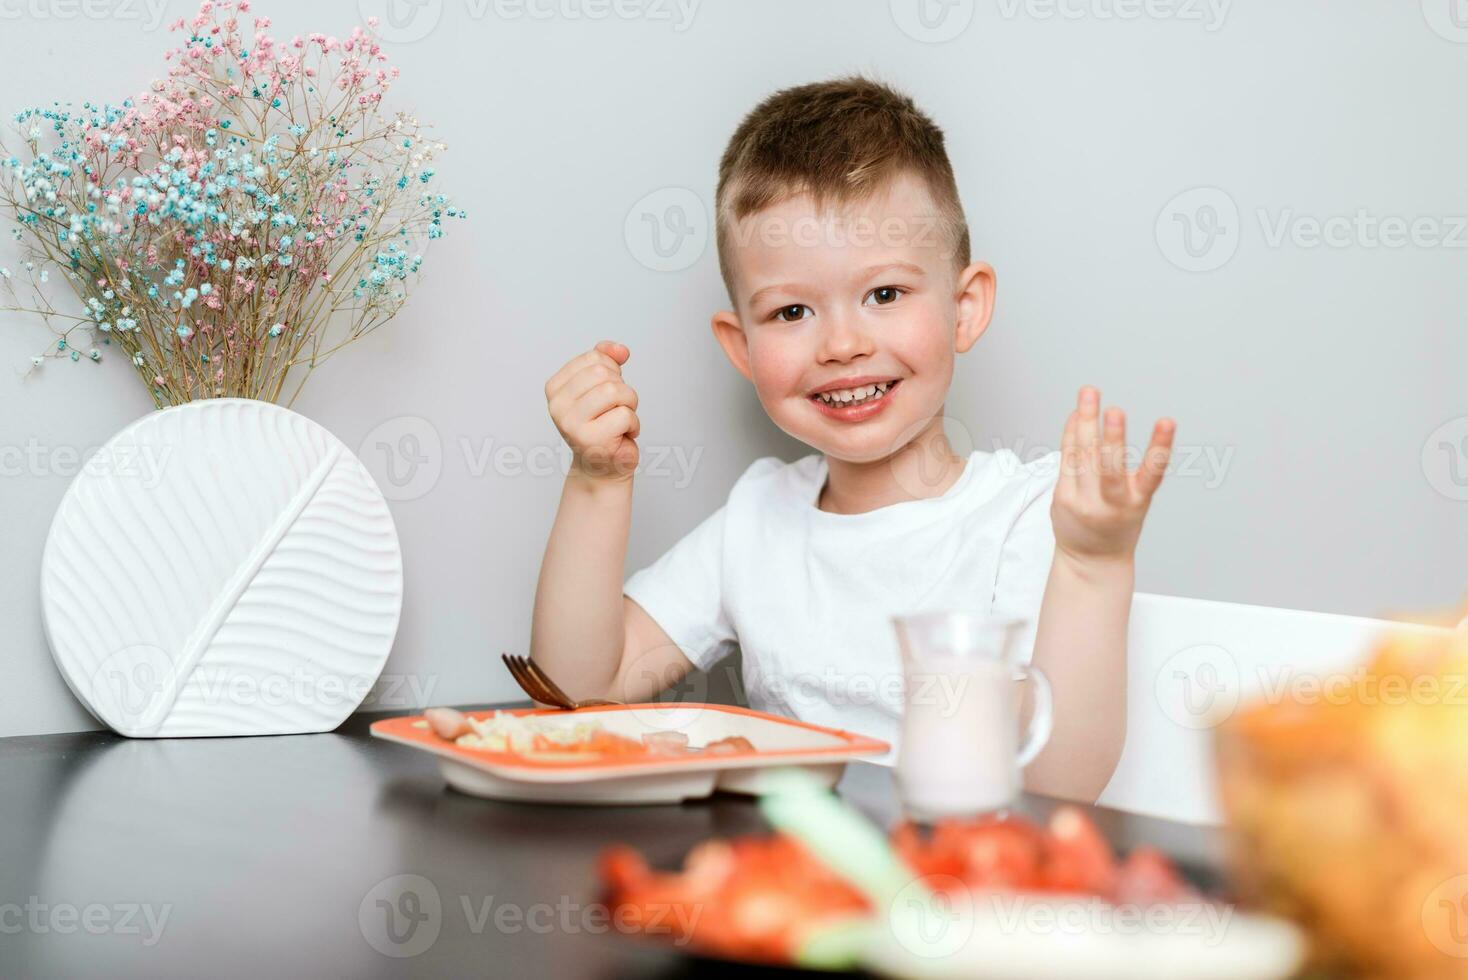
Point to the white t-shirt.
(808, 596)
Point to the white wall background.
(1315, 375)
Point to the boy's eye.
(789, 314)
(883, 295)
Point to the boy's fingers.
(1069, 451)
(588, 379)
(570, 369)
(580, 363)
(619, 421)
(1088, 406)
(1154, 464)
(1088, 438)
(604, 396)
(597, 367)
(1113, 455)
(617, 352)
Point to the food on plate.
(752, 898)
(761, 898)
(728, 745)
(666, 743)
(1346, 802)
(1069, 856)
(446, 722)
(550, 739)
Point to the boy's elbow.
(1079, 771)
(1108, 758)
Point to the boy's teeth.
(848, 396)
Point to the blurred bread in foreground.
(1347, 804)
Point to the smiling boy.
(845, 253)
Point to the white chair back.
(1191, 662)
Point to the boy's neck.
(925, 467)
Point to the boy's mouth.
(855, 401)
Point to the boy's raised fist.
(595, 411)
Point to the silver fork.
(534, 682)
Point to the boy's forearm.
(577, 629)
(1080, 643)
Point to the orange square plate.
(778, 741)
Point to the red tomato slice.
(1148, 877)
(756, 898)
(622, 868)
(751, 898)
(1078, 858)
(1003, 854)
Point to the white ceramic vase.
(225, 567)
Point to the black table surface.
(285, 856)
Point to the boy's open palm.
(596, 411)
(1099, 505)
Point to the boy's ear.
(730, 336)
(975, 304)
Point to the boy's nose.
(843, 340)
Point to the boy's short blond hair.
(838, 141)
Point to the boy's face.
(848, 323)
